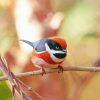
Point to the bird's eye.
(57, 47)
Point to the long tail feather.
(28, 42)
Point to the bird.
(48, 52)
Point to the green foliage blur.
(5, 92)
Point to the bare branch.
(52, 70)
(15, 82)
(10, 76)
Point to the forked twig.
(15, 82)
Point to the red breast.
(46, 57)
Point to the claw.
(60, 69)
(43, 71)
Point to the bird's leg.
(43, 71)
(60, 69)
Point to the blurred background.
(77, 21)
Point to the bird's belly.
(40, 62)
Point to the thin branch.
(52, 70)
(10, 76)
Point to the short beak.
(65, 50)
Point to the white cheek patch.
(51, 52)
(55, 51)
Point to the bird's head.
(57, 47)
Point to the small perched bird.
(48, 52)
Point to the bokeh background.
(77, 21)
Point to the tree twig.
(52, 70)
(11, 77)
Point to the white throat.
(51, 52)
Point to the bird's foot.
(43, 71)
(60, 69)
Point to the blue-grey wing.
(40, 45)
